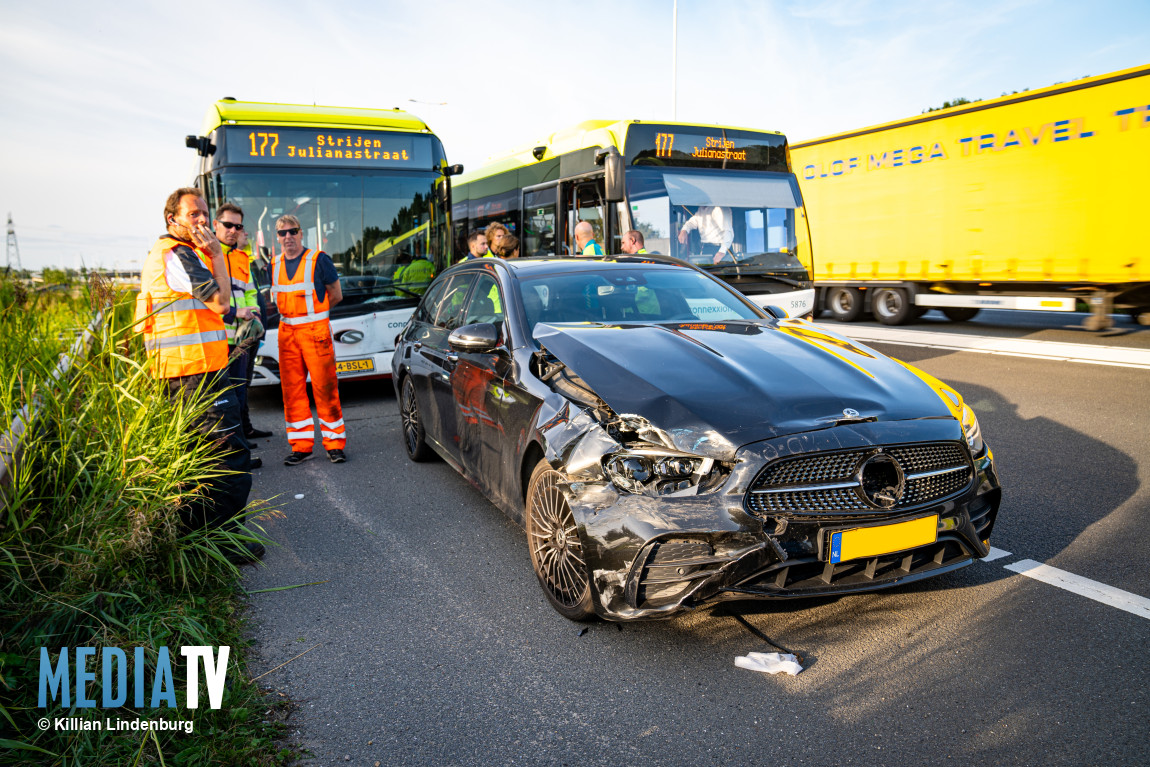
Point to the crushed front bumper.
(653, 557)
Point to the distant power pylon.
(13, 247)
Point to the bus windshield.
(372, 226)
(717, 219)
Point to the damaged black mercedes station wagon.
(666, 444)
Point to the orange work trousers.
(306, 349)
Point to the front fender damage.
(649, 552)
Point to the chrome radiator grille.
(821, 484)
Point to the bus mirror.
(202, 144)
(612, 163)
(453, 170)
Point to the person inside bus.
(633, 242)
(716, 232)
(476, 245)
(495, 233)
(585, 240)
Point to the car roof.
(525, 267)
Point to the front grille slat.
(790, 486)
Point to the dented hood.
(714, 387)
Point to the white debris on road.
(769, 663)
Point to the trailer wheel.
(846, 304)
(892, 306)
(960, 313)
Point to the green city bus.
(370, 187)
(654, 178)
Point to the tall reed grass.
(92, 549)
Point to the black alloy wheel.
(892, 306)
(846, 304)
(960, 313)
(556, 550)
(414, 440)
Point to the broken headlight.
(660, 472)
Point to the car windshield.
(629, 294)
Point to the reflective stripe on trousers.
(307, 349)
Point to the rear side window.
(449, 311)
(425, 312)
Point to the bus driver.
(715, 230)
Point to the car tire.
(414, 438)
(892, 306)
(960, 313)
(846, 304)
(557, 554)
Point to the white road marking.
(996, 554)
(1099, 592)
(1013, 347)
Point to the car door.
(477, 383)
(439, 361)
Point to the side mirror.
(612, 163)
(478, 337)
(776, 312)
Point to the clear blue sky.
(98, 96)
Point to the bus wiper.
(749, 270)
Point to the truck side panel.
(1042, 187)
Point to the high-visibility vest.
(243, 289)
(591, 249)
(414, 277)
(182, 336)
(296, 297)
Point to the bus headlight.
(971, 429)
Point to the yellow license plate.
(354, 366)
(883, 539)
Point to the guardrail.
(12, 440)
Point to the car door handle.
(453, 358)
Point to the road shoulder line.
(1015, 347)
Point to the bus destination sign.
(695, 147)
(252, 145)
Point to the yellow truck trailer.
(1036, 200)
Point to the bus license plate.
(354, 366)
(884, 539)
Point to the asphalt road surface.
(429, 641)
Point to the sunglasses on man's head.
(288, 232)
(230, 225)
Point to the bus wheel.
(1140, 315)
(846, 304)
(892, 306)
(960, 313)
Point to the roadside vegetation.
(92, 551)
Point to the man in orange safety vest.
(184, 293)
(306, 286)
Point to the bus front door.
(583, 200)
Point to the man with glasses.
(245, 305)
(306, 286)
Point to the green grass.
(93, 552)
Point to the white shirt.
(714, 226)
